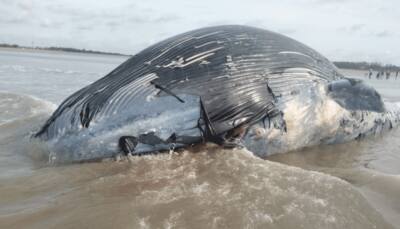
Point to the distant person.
(370, 73)
(387, 75)
(377, 75)
(397, 74)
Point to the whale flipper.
(353, 94)
(127, 144)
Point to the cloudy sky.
(355, 30)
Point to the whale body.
(232, 85)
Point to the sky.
(342, 30)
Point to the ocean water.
(351, 185)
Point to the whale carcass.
(232, 85)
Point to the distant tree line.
(64, 49)
(80, 50)
(366, 66)
(9, 45)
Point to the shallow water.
(352, 185)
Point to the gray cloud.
(153, 18)
(13, 20)
(74, 14)
(384, 33)
(25, 5)
(357, 27)
(85, 28)
(352, 29)
(166, 18)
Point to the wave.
(20, 116)
(18, 106)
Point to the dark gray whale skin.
(238, 72)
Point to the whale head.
(335, 112)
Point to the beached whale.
(231, 85)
